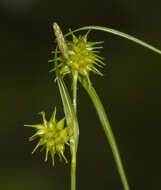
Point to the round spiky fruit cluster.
(53, 136)
(79, 56)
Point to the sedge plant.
(77, 58)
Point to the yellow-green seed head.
(80, 56)
(52, 136)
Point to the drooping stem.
(108, 131)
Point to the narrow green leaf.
(117, 33)
(67, 103)
(71, 121)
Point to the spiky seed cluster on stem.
(53, 136)
(78, 55)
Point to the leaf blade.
(117, 33)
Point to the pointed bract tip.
(43, 118)
(37, 146)
(46, 155)
(60, 124)
(41, 113)
(52, 156)
(55, 25)
(62, 154)
(28, 125)
(53, 163)
(86, 35)
(52, 70)
(50, 60)
(53, 117)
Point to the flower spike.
(78, 56)
(52, 135)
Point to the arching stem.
(117, 33)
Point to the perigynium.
(53, 136)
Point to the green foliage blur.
(130, 91)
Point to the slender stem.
(73, 149)
(71, 121)
(108, 131)
(74, 88)
(74, 140)
(73, 168)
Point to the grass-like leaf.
(71, 121)
(117, 33)
(97, 103)
(70, 111)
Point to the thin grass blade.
(117, 33)
(71, 121)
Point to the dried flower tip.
(60, 40)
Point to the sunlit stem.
(73, 144)
(73, 167)
(108, 131)
(74, 89)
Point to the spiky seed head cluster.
(52, 136)
(80, 55)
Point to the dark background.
(130, 91)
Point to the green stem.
(71, 120)
(74, 88)
(73, 168)
(108, 131)
(73, 149)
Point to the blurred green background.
(130, 91)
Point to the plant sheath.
(74, 89)
(71, 121)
